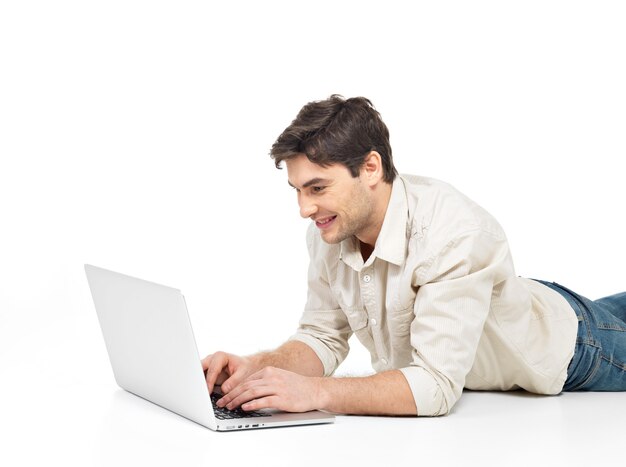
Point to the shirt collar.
(391, 242)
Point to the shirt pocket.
(399, 325)
(358, 321)
(400, 321)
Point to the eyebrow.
(313, 181)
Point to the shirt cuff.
(427, 394)
(323, 353)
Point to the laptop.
(153, 353)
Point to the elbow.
(431, 398)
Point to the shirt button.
(367, 278)
(373, 321)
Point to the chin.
(334, 238)
(329, 237)
(329, 240)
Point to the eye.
(317, 189)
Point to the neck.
(380, 200)
(366, 251)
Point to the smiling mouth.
(325, 223)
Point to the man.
(424, 277)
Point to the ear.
(372, 169)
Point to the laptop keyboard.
(222, 413)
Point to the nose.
(307, 208)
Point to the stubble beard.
(354, 220)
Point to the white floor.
(60, 406)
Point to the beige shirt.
(439, 300)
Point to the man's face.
(339, 204)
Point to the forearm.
(292, 356)
(386, 393)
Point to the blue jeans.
(599, 362)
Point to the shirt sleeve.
(323, 325)
(451, 307)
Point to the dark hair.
(337, 130)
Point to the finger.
(213, 376)
(269, 402)
(237, 378)
(228, 396)
(215, 368)
(206, 361)
(232, 381)
(236, 384)
(255, 391)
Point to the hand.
(227, 370)
(277, 389)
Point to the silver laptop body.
(153, 351)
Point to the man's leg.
(615, 304)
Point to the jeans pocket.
(610, 324)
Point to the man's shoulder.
(430, 194)
(443, 209)
(420, 185)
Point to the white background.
(135, 136)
